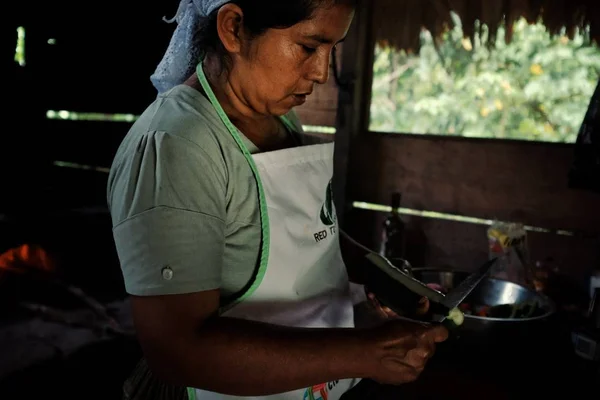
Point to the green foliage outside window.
(537, 87)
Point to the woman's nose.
(320, 70)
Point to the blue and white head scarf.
(181, 57)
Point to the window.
(537, 87)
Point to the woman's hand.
(400, 350)
(387, 313)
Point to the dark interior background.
(101, 61)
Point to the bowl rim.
(551, 307)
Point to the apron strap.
(264, 216)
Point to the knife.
(383, 280)
(457, 295)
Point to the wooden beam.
(354, 97)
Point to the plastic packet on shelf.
(508, 241)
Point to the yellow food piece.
(456, 316)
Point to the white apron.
(302, 280)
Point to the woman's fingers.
(423, 306)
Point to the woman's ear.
(229, 27)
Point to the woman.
(223, 217)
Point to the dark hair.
(259, 16)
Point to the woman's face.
(280, 68)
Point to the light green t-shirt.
(184, 201)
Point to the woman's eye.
(308, 49)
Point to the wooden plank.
(430, 242)
(436, 243)
(316, 116)
(320, 137)
(508, 180)
(356, 77)
(86, 142)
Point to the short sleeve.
(166, 196)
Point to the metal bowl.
(491, 292)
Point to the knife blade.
(457, 295)
(405, 279)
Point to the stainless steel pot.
(491, 292)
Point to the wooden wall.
(510, 180)
(489, 179)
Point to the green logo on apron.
(328, 216)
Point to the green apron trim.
(264, 216)
(191, 392)
(288, 124)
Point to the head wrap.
(181, 57)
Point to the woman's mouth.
(299, 99)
